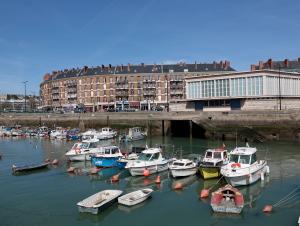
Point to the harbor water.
(49, 196)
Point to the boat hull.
(134, 200)
(79, 157)
(105, 161)
(209, 172)
(227, 209)
(139, 171)
(246, 179)
(183, 172)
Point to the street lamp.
(25, 82)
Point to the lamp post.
(25, 83)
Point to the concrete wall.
(270, 104)
(183, 106)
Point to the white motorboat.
(90, 134)
(106, 133)
(134, 133)
(82, 151)
(183, 168)
(135, 197)
(58, 133)
(150, 159)
(243, 167)
(98, 201)
(122, 162)
(108, 157)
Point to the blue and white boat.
(108, 157)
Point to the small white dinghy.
(98, 201)
(135, 197)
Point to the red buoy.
(115, 178)
(178, 186)
(204, 193)
(157, 180)
(146, 172)
(268, 209)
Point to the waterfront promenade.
(265, 124)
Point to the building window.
(104, 92)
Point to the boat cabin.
(107, 130)
(150, 154)
(243, 155)
(183, 163)
(111, 150)
(216, 154)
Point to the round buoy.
(93, 170)
(55, 162)
(204, 193)
(268, 209)
(178, 186)
(71, 169)
(146, 172)
(115, 178)
(157, 180)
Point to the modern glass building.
(265, 89)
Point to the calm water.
(49, 197)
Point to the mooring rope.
(290, 196)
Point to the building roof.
(142, 68)
(284, 65)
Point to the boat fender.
(234, 165)
(157, 181)
(178, 186)
(268, 209)
(204, 193)
(146, 173)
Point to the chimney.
(102, 68)
(253, 67)
(196, 67)
(260, 65)
(227, 64)
(286, 63)
(128, 67)
(85, 68)
(299, 60)
(221, 64)
(109, 67)
(122, 67)
(270, 63)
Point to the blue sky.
(38, 36)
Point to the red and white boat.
(227, 200)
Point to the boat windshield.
(217, 155)
(144, 157)
(84, 145)
(209, 154)
(243, 159)
(178, 164)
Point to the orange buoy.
(115, 178)
(178, 186)
(55, 162)
(146, 172)
(157, 180)
(71, 169)
(93, 170)
(268, 209)
(204, 193)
